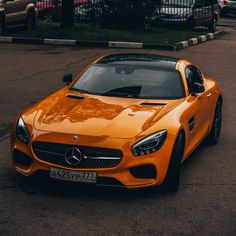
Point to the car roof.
(140, 59)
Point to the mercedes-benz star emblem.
(73, 156)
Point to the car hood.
(175, 11)
(99, 115)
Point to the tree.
(126, 14)
(68, 13)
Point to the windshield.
(131, 81)
(177, 3)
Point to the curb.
(199, 39)
(113, 44)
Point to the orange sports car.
(127, 120)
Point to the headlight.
(150, 144)
(22, 133)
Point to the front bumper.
(122, 174)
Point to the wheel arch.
(216, 99)
(182, 131)
(220, 98)
(30, 7)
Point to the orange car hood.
(98, 115)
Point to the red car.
(51, 9)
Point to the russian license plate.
(74, 176)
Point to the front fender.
(2, 11)
(30, 7)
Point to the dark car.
(17, 12)
(51, 9)
(227, 6)
(190, 12)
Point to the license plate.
(74, 176)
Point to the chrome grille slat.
(48, 152)
(94, 157)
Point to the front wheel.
(214, 136)
(172, 180)
(212, 26)
(30, 21)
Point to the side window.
(199, 4)
(198, 77)
(193, 75)
(209, 3)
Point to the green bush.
(122, 14)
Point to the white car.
(227, 6)
(190, 12)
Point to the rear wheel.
(30, 20)
(171, 183)
(191, 23)
(215, 132)
(2, 25)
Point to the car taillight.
(225, 2)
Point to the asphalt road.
(228, 21)
(205, 203)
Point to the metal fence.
(172, 13)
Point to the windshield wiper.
(129, 91)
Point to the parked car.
(190, 12)
(51, 9)
(128, 120)
(17, 12)
(227, 6)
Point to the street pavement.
(228, 21)
(205, 203)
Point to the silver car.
(227, 6)
(190, 12)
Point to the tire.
(214, 135)
(2, 25)
(26, 183)
(191, 23)
(223, 12)
(172, 180)
(212, 26)
(30, 21)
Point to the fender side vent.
(191, 124)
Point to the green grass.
(93, 33)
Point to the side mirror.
(67, 79)
(198, 88)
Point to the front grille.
(93, 157)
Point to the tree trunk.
(68, 13)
